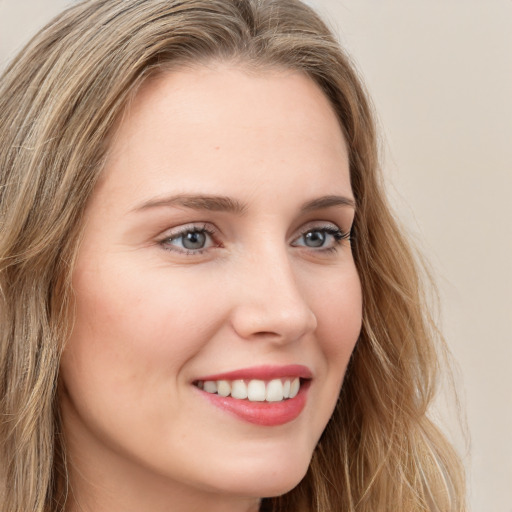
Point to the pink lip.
(263, 373)
(262, 413)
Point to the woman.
(206, 303)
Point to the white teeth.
(210, 386)
(223, 388)
(286, 389)
(294, 388)
(274, 391)
(254, 390)
(239, 389)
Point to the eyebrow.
(198, 202)
(228, 204)
(328, 202)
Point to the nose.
(270, 304)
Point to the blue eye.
(193, 240)
(315, 238)
(321, 238)
(189, 240)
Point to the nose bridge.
(271, 303)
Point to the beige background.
(440, 73)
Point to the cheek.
(339, 315)
(130, 333)
(132, 339)
(338, 308)
(337, 305)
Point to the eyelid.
(184, 228)
(319, 226)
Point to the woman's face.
(215, 254)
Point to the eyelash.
(204, 229)
(338, 235)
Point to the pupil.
(194, 240)
(315, 239)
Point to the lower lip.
(268, 414)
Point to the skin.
(152, 317)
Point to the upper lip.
(266, 372)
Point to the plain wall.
(440, 74)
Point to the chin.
(282, 485)
(260, 478)
(265, 486)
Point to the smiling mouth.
(267, 395)
(253, 390)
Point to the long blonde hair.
(59, 102)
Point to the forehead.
(224, 119)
